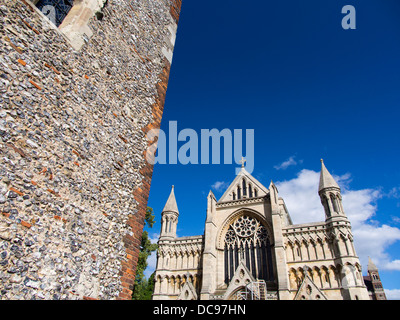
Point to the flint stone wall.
(74, 181)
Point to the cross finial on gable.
(242, 162)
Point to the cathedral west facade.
(251, 249)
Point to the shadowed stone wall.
(74, 182)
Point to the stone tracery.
(247, 240)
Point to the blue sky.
(310, 90)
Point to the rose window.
(245, 226)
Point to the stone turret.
(374, 283)
(169, 217)
(331, 197)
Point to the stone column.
(210, 251)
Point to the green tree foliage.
(143, 288)
(149, 218)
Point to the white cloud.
(371, 238)
(392, 294)
(220, 186)
(154, 237)
(151, 264)
(287, 163)
(395, 219)
(360, 205)
(394, 193)
(152, 258)
(301, 197)
(373, 241)
(393, 265)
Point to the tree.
(143, 288)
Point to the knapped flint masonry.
(77, 98)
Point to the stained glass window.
(247, 240)
(55, 10)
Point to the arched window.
(326, 278)
(238, 193)
(166, 224)
(73, 23)
(255, 193)
(326, 205)
(247, 240)
(55, 10)
(233, 196)
(250, 191)
(244, 188)
(334, 203)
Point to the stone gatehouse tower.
(81, 84)
(251, 247)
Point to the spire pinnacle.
(371, 265)
(326, 180)
(171, 205)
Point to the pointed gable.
(257, 189)
(188, 292)
(241, 279)
(309, 291)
